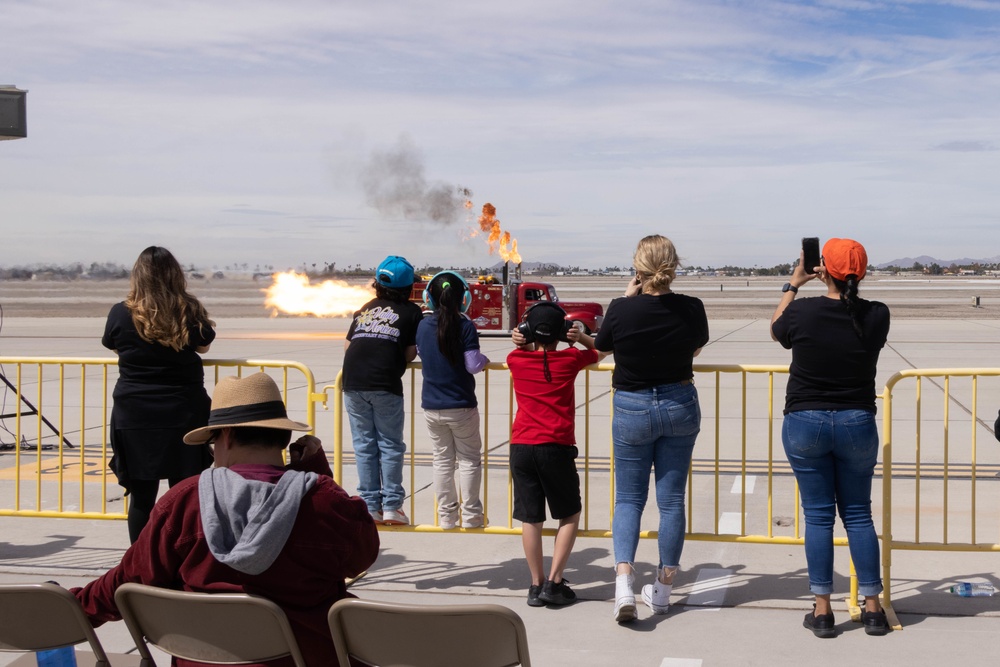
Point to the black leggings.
(142, 497)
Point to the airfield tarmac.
(725, 297)
(757, 592)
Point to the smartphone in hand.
(810, 252)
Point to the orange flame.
(291, 292)
(499, 240)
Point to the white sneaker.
(624, 598)
(657, 596)
(395, 518)
(376, 517)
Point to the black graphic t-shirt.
(380, 334)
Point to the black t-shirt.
(831, 369)
(379, 335)
(157, 386)
(653, 338)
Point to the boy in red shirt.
(543, 442)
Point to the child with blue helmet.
(448, 345)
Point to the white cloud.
(585, 123)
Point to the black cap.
(547, 322)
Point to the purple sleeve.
(475, 361)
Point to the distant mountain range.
(906, 262)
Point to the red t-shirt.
(546, 411)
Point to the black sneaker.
(821, 626)
(875, 622)
(533, 600)
(557, 594)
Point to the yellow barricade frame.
(95, 455)
(301, 396)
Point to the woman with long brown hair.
(158, 333)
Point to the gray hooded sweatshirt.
(247, 522)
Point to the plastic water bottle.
(57, 657)
(966, 589)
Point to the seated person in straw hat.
(252, 524)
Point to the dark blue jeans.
(833, 454)
(653, 430)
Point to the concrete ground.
(734, 603)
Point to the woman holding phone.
(654, 334)
(829, 431)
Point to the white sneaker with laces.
(624, 598)
(657, 596)
(395, 518)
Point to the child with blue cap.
(380, 343)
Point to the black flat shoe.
(533, 599)
(875, 622)
(821, 626)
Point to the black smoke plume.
(395, 185)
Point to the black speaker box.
(13, 121)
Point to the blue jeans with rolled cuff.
(833, 455)
(376, 419)
(654, 430)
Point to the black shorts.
(544, 472)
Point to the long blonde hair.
(161, 307)
(656, 261)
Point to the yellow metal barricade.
(944, 477)
(56, 439)
(56, 447)
(737, 442)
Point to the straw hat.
(251, 401)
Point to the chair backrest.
(215, 628)
(381, 633)
(38, 617)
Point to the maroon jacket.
(333, 538)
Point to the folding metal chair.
(215, 628)
(40, 617)
(483, 635)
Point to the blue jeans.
(653, 429)
(377, 428)
(833, 454)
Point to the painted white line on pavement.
(709, 589)
(738, 484)
(681, 662)
(729, 523)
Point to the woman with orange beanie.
(829, 430)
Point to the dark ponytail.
(848, 289)
(448, 292)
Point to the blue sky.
(246, 132)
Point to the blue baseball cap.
(395, 271)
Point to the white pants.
(455, 436)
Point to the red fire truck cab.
(498, 307)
